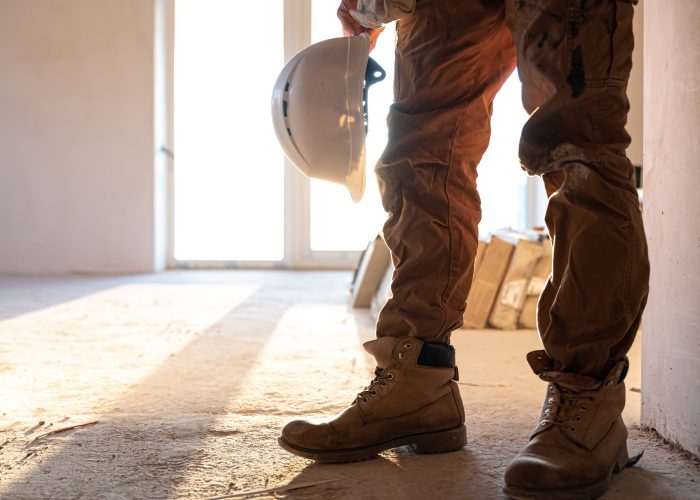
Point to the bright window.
(336, 222)
(502, 184)
(229, 171)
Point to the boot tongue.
(381, 350)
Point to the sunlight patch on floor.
(98, 346)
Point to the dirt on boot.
(413, 400)
(580, 440)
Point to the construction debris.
(65, 429)
(276, 489)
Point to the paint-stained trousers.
(574, 60)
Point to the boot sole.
(588, 492)
(425, 443)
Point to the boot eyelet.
(543, 423)
(382, 384)
(582, 408)
(373, 393)
(407, 345)
(572, 429)
(548, 411)
(389, 376)
(401, 355)
(578, 418)
(551, 389)
(364, 401)
(550, 401)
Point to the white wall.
(77, 138)
(671, 340)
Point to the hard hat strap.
(373, 74)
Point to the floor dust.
(177, 385)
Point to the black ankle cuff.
(437, 355)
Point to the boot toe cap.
(529, 472)
(552, 471)
(303, 434)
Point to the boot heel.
(623, 458)
(441, 442)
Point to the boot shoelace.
(380, 379)
(558, 409)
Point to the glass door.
(338, 227)
(237, 201)
(229, 171)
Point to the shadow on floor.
(459, 475)
(157, 429)
(24, 295)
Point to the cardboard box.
(370, 271)
(383, 293)
(480, 249)
(540, 274)
(511, 296)
(487, 282)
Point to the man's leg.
(574, 57)
(451, 58)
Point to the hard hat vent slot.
(284, 108)
(289, 132)
(286, 87)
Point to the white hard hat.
(319, 107)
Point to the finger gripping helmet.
(319, 110)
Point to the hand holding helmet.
(350, 25)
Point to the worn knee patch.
(392, 181)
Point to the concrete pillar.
(671, 328)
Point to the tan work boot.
(580, 440)
(412, 400)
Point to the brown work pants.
(574, 59)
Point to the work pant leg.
(452, 56)
(574, 59)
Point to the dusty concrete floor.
(191, 375)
